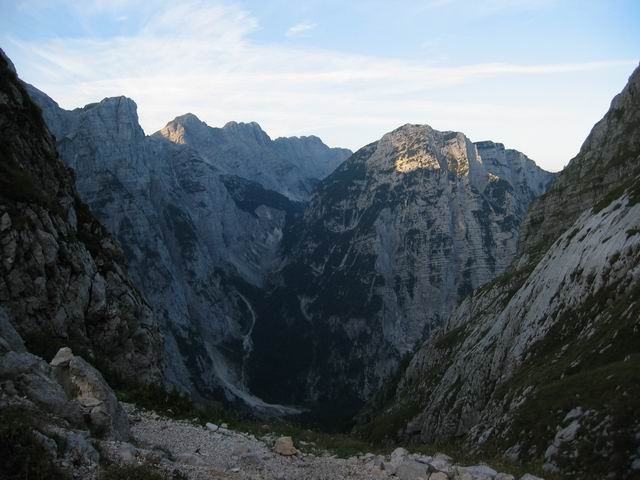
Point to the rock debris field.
(184, 449)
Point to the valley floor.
(186, 450)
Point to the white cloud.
(197, 56)
(300, 28)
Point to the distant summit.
(387, 246)
(291, 166)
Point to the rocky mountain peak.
(183, 129)
(250, 132)
(528, 179)
(118, 113)
(289, 166)
(513, 368)
(388, 244)
(420, 147)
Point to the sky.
(532, 74)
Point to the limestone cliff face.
(387, 246)
(543, 363)
(63, 279)
(608, 160)
(291, 166)
(527, 179)
(198, 240)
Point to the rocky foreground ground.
(184, 449)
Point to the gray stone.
(478, 471)
(573, 414)
(32, 377)
(505, 476)
(5, 222)
(77, 448)
(62, 358)
(87, 386)
(441, 463)
(119, 452)
(409, 469)
(10, 340)
(438, 476)
(284, 446)
(512, 454)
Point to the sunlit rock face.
(542, 365)
(387, 246)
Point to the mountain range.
(426, 288)
(543, 362)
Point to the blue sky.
(533, 74)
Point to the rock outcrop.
(543, 363)
(59, 411)
(387, 246)
(97, 401)
(63, 279)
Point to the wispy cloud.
(300, 28)
(197, 56)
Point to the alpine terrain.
(196, 235)
(543, 363)
(212, 303)
(386, 247)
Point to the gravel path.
(200, 453)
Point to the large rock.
(284, 446)
(62, 277)
(479, 472)
(27, 376)
(409, 469)
(83, 383)
(439, 476)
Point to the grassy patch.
(17, 184)
(633, 187)
(171, 404)
(452, 338)
(633, 231)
